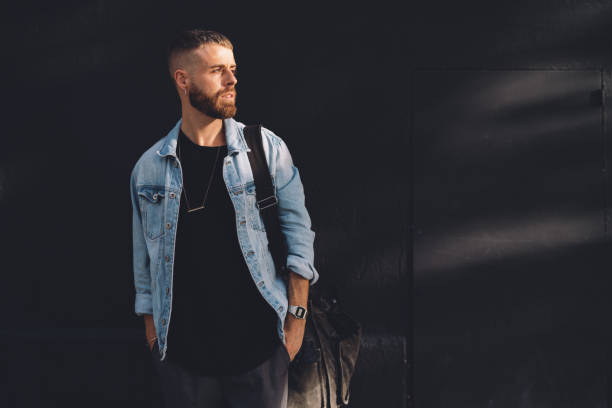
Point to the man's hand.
(294, 334)
(150, 330)
(297, 294)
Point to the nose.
(231, 78)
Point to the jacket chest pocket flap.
(152, 209)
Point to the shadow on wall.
(510, 258)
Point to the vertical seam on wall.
(409, 348)
(605, 181)
(605, 155)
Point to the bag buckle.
(267, 202)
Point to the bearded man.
(221, 322)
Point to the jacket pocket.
(253, 215)
(152, 209)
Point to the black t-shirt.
(220, 324)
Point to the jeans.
(264, 386)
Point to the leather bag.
(320, 374)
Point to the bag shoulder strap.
(265, 195)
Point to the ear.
(181, 78)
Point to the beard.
(213, 106)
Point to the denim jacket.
(156, 187)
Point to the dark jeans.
(264, 386)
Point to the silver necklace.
(212, 173)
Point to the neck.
(202, 129)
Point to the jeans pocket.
(286, 352)
(155, 351)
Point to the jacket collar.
(233, 138)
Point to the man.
(215, 309)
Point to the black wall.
(455, 160)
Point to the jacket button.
(168, 225)
(163, 322)
(242, 222)
(155, 196)
(250, 253)
(167, 290)
(167, 258)
(172, 195)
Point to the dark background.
(455, 159)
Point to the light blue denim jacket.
(156, 186)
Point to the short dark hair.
(189, 40)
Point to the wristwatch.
(298, 311)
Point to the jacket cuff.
(304, 269)
(143, 304)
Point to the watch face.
(300, 312)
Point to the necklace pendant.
(195, 209)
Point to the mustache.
(232, 90)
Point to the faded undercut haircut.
(179, 50)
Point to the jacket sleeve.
(142, 274)
(294, 218)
